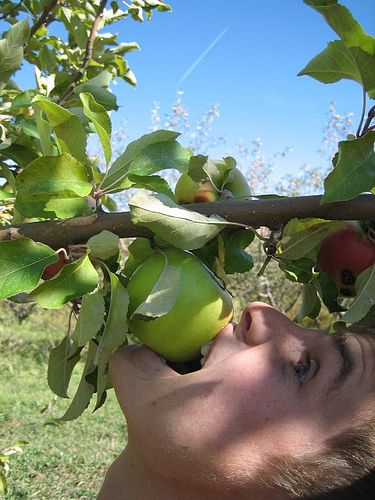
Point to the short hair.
(344, 471)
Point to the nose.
(261, 323)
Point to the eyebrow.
(341, 346)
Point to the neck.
(130, 478)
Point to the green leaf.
(115, 330)
(202, 168)
(53, 186)
(104, 245)
(85, 390)
(163, 295)
(299, 270)
(69, 132)
(152, 183)
(22, 100)
(365, 300)
(97, 87)
(302, 237)
(11, 49)
(114, 335)
(180, 227)
(8, 175)
(328, 291)
(236, 259)
(339, 62)
(44, 131)
(310, 303)
(75, 280)
(138, 251)
(28, 126)
(145, 156)
(22, 262)
(99, 117)
(47, 58)
(5, 139)
(62, 360)
(354, 172)
(344, 24)
(21, 155)
(90, 319)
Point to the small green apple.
(237, 184)
(201, 310)
(225, 184)
(188, 191)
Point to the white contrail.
(202, 56)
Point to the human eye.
(301, 370)
(305, 369)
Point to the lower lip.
(149, 363)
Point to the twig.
(88, 53)
(358, 134)
(370, 117)
(11, 11)
(45, 16)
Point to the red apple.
(344, 255)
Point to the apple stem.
(63, 250)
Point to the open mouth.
(196, 364)
(187, 366)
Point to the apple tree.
(60, 229)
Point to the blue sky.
(250, 71)
(243, 56)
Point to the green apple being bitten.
(201, 309)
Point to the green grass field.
(61, 461)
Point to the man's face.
(267, 387)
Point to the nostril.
(247, 320)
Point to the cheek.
(254, 394)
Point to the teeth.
(162, 360)
(205, 348)
(204, 351)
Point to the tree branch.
(88, 53)
(272, 213)
(6, 14)
(43, 18)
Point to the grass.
(61, 461)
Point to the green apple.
(237, 184)
(188, 191)
(202, 307)
(225, 184)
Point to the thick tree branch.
(44, 17)
(272, 213)
(88, 53)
